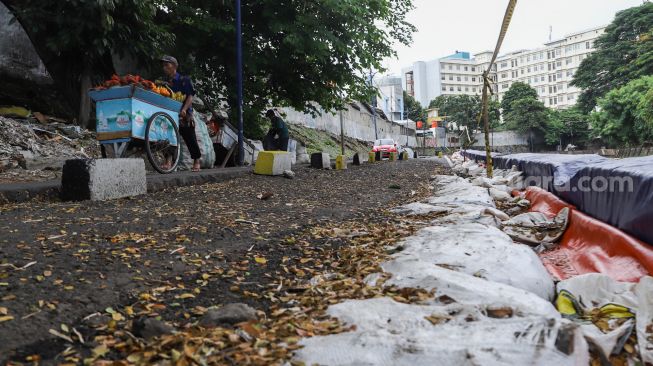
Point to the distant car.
(386, 146)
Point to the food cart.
(130, 117)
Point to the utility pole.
(239, 84)
(376, 134)
(342, 134)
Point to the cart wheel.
(162, 142)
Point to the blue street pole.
(239, 83)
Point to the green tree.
(412, 109)
(464, 110)
(517, 91)
(528, 116)
(296, 53)
(623, 53)
(625, 115)
(567, 126)
(77, 40)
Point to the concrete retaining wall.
(358, 124)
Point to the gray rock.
(289, 174)
(229, 314)
(149, 328)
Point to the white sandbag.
(419, 208)
(482, 182)
(536, 228)
(596, 290)
(499, 195)
(205, 143)
(456, 190)
(644, 325)
(464, 288)
(392, 333)
(481, 251)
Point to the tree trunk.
(84, 101)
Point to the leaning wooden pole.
(487, 85)
(486, 128)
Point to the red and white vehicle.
(386, 146)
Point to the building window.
(528, 59)
(451, 77)
(559, 75)
(450, 67)
(444, 88)
(555, 100)
(550, 101)
(474, 89)
(457, 67)
(466, 78)
(474, 79)
(542, 78)
(504, 76)
(451, 88)
(505, 86)
(542, 67)
(458, 78)
(466, 88)
(443, 77)
(588, 45)
(503, 65)
(466, 68)
(528, 70)
(460, 88)
(473, 69)
(569, 60)
(559, 63)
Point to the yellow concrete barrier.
(341, 162)
(272, 162)
(393, 156)
(372, 157)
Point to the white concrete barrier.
(102, 179)
(320, 161)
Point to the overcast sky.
(444, 26)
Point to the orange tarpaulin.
(591, 246)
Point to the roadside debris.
(30, 150)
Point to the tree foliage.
(412, 109)
(296, 53)
(625, 115)
(517, 91)
(76, 38)
(623, 53)
(529, 116)
(567, 126)
(464, 110)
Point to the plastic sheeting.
(619, 192)
(590, 245)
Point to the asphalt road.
(60, 262)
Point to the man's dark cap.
(170, 59)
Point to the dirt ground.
(61, 262)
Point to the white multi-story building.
(549, 70)
(390, 97)
(452, 75)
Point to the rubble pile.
(35, 150)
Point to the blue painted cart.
(131, 118)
